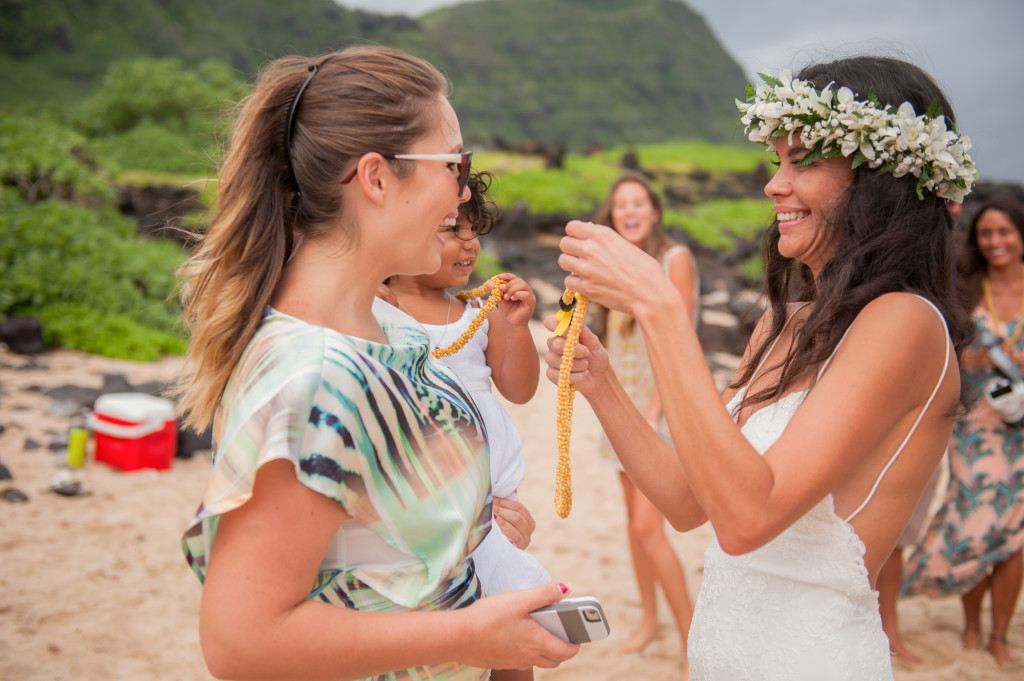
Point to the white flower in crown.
(890, 139)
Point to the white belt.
(357, 546)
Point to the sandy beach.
(94, 587)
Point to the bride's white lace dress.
(799, 608)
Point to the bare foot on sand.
(971, 639)
(902, 653)
(997, 649)
(640, 639)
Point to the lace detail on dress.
(801, 607)
(798, 608)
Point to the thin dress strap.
(774, 342)
(913, 429)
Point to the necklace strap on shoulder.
(990, 305)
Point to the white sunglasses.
(464, 161)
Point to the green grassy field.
(113, 291)
(580, 185)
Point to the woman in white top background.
(633, 208)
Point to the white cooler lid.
(134, 407)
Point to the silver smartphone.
(574, 620)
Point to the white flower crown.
(833, 123)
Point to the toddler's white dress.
(500, 565)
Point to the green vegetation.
(574, 189)
(98, 95)
(686, 156)
(68, 257)
(487, 265)
(579, 187)
(582, 73)
(717, 222)
(155, 114)
(572, 72)
(47, 160)
(95, 285)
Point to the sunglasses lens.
(464, 166)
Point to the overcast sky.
(973, 48)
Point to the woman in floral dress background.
(973, 544)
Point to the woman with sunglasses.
(350, 485)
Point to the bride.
(844, 402)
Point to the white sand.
(94, 588)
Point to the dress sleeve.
(264, 412)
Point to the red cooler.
(134, 430)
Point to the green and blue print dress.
(383, 429)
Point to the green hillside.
(586, 72)
(57, 50)
(579, 73)
(107, 102)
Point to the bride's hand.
(608, 269)
(590, 360)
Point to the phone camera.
(591, 615)
(1006, 398)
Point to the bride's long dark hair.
(882, 236)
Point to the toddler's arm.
(511, 353)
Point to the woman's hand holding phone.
(501, 634)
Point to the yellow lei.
(491, 303)
(572, 310)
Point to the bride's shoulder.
(900, 333)
(905, 315)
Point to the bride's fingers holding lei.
(589, 357)
(553, 355)
(555, 345)
(590, 354)
(605, 267)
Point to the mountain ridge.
(578, 73)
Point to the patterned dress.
(629, 358)
(387, 432)
(628, 355)
(981, 521)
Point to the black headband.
(290, 122)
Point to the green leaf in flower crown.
(888, 167)
(813, 155)
(770, 80)
(934, 110)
